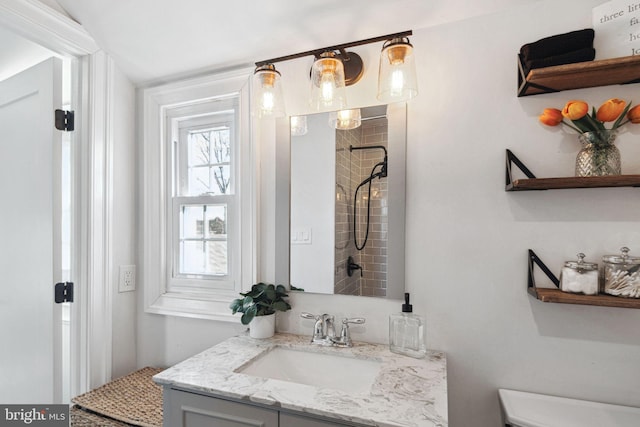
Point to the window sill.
(210, 307)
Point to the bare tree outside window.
(214, 151)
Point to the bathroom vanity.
(286, 381)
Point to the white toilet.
(522, 409)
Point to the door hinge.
(64, 292)
(65, 120)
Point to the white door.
(30, 236)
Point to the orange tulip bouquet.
(598, 156)
(578, 112)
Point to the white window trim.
(158, 298)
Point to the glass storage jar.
(621, 276)
(579, 277)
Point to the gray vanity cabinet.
(182, 409)
(185, 409)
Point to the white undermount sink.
(315, 369)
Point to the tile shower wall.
(351, 169)
(374, 255)
(346, 182)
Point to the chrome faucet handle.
(306, 315)
(318, 327)
(344, 340)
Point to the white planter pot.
(263, 326)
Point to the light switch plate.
(301, 236)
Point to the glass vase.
(599, 156)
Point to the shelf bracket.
(511, 160)
(531, 283)
(524, 84)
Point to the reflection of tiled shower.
(352, 167)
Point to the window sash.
(180, 150)
(193, 281)
(183, 121)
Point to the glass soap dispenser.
(406, 332)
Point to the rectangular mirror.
(347, 204)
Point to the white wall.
(466, 238)
(166, 340)
(313, 205)
(124, 220)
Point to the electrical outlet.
(127, 282)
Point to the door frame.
(92, 94)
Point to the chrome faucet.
(323, 329)
(324, 332)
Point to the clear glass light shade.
(397, 74)
(267, 92)
(345, 119)
(327, 83)
(298, 125)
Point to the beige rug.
(133, 399)
(83, 418)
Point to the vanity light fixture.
(345, 119)
(333, 69)
(267, 94)
(397, 73)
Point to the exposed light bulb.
(327, 88)
(397, 82)
(267, 102)
(267, 98)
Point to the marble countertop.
(407, 392)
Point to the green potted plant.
(258, 307)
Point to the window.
(203, 223)
(198, 181)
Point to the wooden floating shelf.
(530, 184)
(604, 72)
(557, 296)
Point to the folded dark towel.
(580, 55)
(558, 44)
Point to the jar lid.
(581, 264)
(623, 258)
